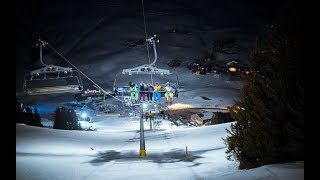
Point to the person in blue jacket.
(150, 92)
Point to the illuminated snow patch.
(178, 106)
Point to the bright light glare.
(180, 106)
(83, 115)
(144, 106)
(87, 125)
(232, 69)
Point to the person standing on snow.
(133, 92)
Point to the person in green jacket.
(134, 92)
(169, 94)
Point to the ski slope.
(112, 152)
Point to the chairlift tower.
(143, 152)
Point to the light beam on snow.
(177, 106)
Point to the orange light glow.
(178, 106)
(232, 69)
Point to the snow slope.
(112, 152)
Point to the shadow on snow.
(173, 156)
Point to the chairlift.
(52, 79)
(140, 73)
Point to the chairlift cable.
(84, 74)
(79, 71)
(146, 35)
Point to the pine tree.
(72, 120)
(32, 119)
(66, 119)
(36, 118)
(59, 116)
(270, 113)
(29, 116)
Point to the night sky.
(78, 29)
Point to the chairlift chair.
(52, 79)
(146, 69)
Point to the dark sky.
(60, 21)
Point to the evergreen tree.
(59, 117)
(270, 113)
(29, 116)
(66, 119)
(72, 120)
(36, 118)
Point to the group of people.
(148, 92)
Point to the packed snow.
(112, 152)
